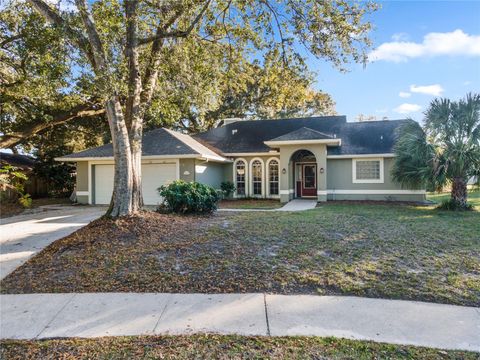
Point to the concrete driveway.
(23, 236)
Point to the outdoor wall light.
(322, 170)
(284, 171)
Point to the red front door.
(309, 180)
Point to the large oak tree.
(113, 38)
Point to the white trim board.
(82, 193)
(364, 156)
(376, 192)
(270, 153)
(147, 157)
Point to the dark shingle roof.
(17, 160)
(156, 142)
(372, 137)
(303, 133)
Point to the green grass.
(375, 250)
(217, 347)
(473, 197)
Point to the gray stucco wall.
(209, 173)
(187, 170)
(339, 177)
(82, 176)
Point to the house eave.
(146, 157)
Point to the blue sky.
(446, 63)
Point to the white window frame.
(251, 177)
(267, 178)
(235, 195)
(367, 181)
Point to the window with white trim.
(257, 177)
(367, 171)
(273, 177)
(240, 176)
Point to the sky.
(422, 49)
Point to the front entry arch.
(305, 174)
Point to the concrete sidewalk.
(22, 236)
(34, 316)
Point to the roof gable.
(303, 133)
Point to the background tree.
(38, 89)
(119, 47)
(446, 151)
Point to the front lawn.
(217, 347)
(374, 250)
(473, 197)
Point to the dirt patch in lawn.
(217, 347)
(250, 204)
(398, 252)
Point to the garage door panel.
(153, 176)
(103, 184)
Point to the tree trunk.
(121, 203)
(459, 191)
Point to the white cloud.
(435, 89)
(467, 82)
(404, 94)
(434, 44)
(407, 108)
(401, 36)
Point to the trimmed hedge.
(188, 197)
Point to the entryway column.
(321, 156)
(286, 180)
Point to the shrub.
(227, 188)
(25, 200)
(451, 204)
(192, 197)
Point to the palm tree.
(445, 151)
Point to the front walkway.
(22, 236)
(292, 205)
(35, 316)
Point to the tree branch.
(54, 18)
(79, 111)
(176, 33)
(98, 53)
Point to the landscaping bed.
(386, 251)
(217, 347)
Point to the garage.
(153, 176)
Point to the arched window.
(273, 177)
(240, 177)
(257, 174)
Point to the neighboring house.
(324, 158)
(34, 186)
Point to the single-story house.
(324, 158)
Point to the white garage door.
(153, 176)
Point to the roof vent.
(227, 121)
(234, 131)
